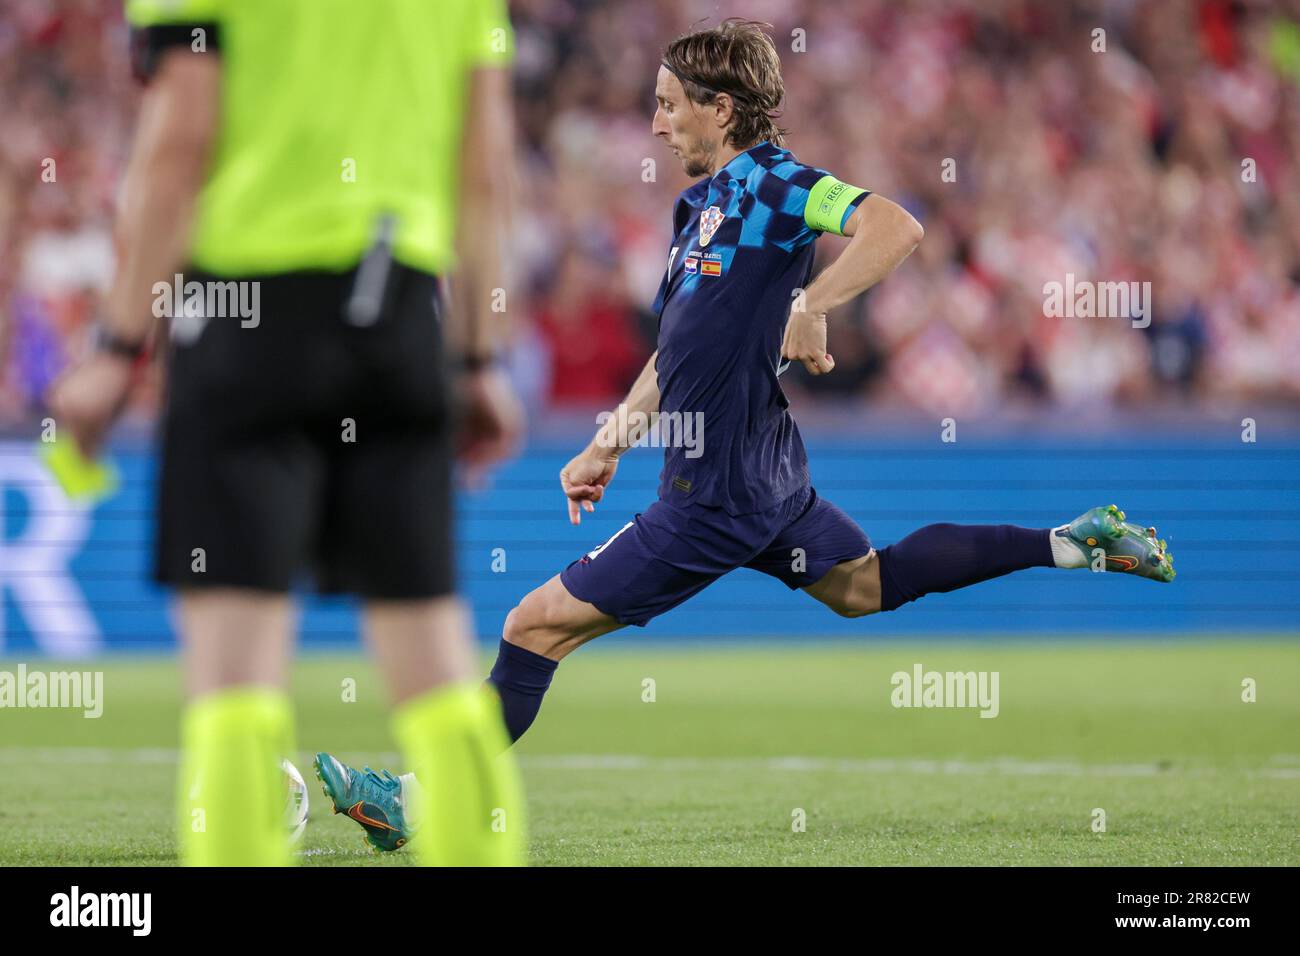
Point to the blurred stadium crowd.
(1169, 157)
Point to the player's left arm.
(882, 234)
(178, 124)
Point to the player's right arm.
(585, 477)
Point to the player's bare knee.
(520, 627)
(863, 596)
(856, 604)
(859, 600)
(533, 624)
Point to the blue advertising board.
(74, 580)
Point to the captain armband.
(829, 204)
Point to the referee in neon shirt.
(303, 175)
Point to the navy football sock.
(945, 557)
(521, 678)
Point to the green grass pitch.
(742, 740)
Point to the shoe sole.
(1112, 520)
(1166, 562)
(1114, 525)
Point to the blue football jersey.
(743, 244)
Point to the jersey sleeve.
(805, 202)
(489, 40)
(153, 13)
(159, 25)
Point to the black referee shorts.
(307, 444)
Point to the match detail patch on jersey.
(710, 220)
(703, 263)
(828, 204)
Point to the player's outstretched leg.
(946, 557)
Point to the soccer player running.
(325, 161)
(733, 312)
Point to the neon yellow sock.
(231, 792)
(471, 806)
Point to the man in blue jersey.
(735, 309)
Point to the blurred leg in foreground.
(237, 725)
(468, 807)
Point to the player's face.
(681, 125)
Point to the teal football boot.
(1129, 548)
(373, 800)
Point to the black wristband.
(150, 44)
(106, 341)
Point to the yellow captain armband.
(828, 205)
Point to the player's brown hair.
(738, 58)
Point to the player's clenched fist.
(584, 480)
(805, 341)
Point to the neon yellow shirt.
(333, 113)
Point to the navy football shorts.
(668, 554)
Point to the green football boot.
(373, 800)
(1129, 548)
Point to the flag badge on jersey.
(710, 220)
(703, 263)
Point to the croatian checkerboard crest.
(710, 220)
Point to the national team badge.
(710, 220)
